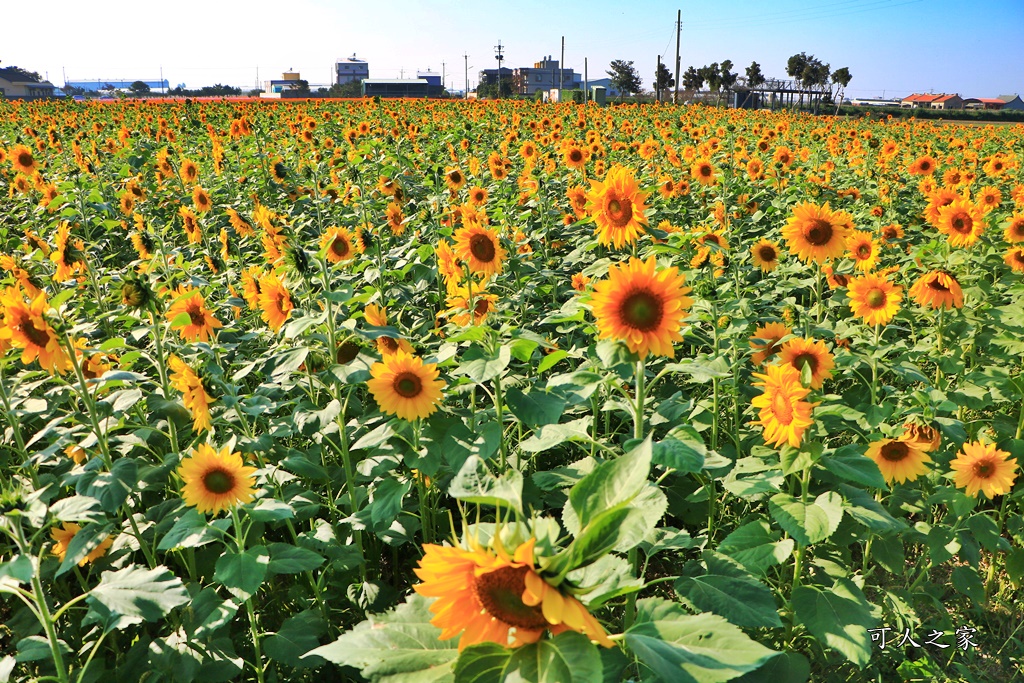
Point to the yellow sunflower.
(703, 172)
(766, 255)
(937, 289)
(811, 352)
(378, 317)
(765, 341)
(874, 298)
(980, 466)
(784, 413)
(405, 386)
(863, 250)
(642, 305)
(459, 305)
(489, 596)
(1015, 259)
(478, 247)
(275, 301)
(1014, 232)
(923, 436)
(395, 218)
(449, 265)
(923, 166)
(576, 157)
(201, 200)
(454, 178)
(477, 195)
(190, 223)
(899, 460)
(216, 480)
(200, 323)
(339, 245)
(22, 160)
(617, 205)
(962, 222)
(188, 171)
(62, 540)
(194, 396)
(25, 327)
(816, 233)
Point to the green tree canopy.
(139, 88)
(663, 78)
(625, 77)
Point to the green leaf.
(567, 658)
(810, 523)
(682, 456)
(481, 367)
(987, 533)
(387, 501)
(728, 590)
(193, 530)
(681, 648)
(966, 580)
(36, 648)
(536, 408)
(611, 484)
(1015, 566)
(242, 573)
(786, 667)
(549, 361)
(550, 436)
(400, 646)
(757, 547)
(136, 594)
(110, 488)
(290, 559)
(297, 636)
(77, 509)
(849, 464)
(862, 506)
(476, 484)
(19, 570)
(838, 617)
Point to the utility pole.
(561, 70)
(465, 57)
(500, 57)
(657, 81)
(679, 29)
(442, 76)
(586, 82)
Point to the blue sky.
(890, 46)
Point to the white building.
(350, 69)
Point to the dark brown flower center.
(390, 344)
(482, 248)
(195, 315)
(864, 250)
(705, 171)
(38, 337)
(809, 358)
(961, 223)
(408, 385)
(894, 451)
(767, 253)
(455, 177)
(984, 469)
(619, 211)
(642, 311)
(501, 594)
(575, 156)
(937, 285)
(340, 246)
(218, 481)
(482, 306)
(819, 232)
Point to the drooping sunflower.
(766, 255)
(1015, 259)
(899, 460)
(923, 436)
(491, 596)
(617, 205)
(765, 341)
(449, 265)
(67, 255)
(377, 316)
(405, 386)
(25, 327)
(784, 413)
(874, 298)
(201, 321)
(395, 218)
(980, 466)
(962, 222)
(339, 245)
(194, 396)
(478, 247)
(937, 289)
(216, 480)
(190, 223)
(275, 301)
(22, 160)
(813, 353)
(816, 233)
(62, 540)
(863, 250)
(642, 305)
(483, 304)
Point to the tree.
(16, 73)
(302, 85)
(139, 88)
(625, 77)
(842, 78)
(726, 77)
(500, 89)
(663, 79)
(692, 80)
(755, 78)
(810, 74)
(350, 89)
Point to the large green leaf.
(757, 547)
(728, 590)
(611, 484)
(290, 559)
(535, 408)
(476, 484)
(400, 646)
(297, 635)
(838, 617)
(787, 667)
(810, 523)
(135, 594)
(567, 658)
(481, 367)
(682, 456)
(681, 648)
(849, 464)
(110, 488)
(243, 573)
(193, 530)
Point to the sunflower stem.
(994, 561)
(426, 511)
(20, 440)
(42, 611)
(161, 366)
(874, 366)
(938, 351)
(350, 477)
(253, 630)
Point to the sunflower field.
(434, 391)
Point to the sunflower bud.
(297, 259)
(135, 293)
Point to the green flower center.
(218, 481)
(642, 311)
(408, 385)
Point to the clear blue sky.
(895, 46)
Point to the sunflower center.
(195, 315)
(339, 246)
(408, 385)
(767, 253)
(575, 156)
(819, 232)
(875, 298)
(619, 211)
(864, 251)
(642, 311)
(481, 307)
(894, 451)
(390, 344)
(482, 248)
(38, 337)
(984, 469)
(455, 177)
(705, 171)
(782, 408)
(501, 594)
(937, 285)
(218, 481)
(25, 159)
(962, 223)
(806, 358)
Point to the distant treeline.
(957, 114)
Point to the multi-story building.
(544, 75)
(491, 76)
(350, 69)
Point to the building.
(928, 101)
(492, 76)
(606, 83)
(948, 102)
(401, 87)
(544, 75)
(14, 85)
(431, 77)
(983, 103)
(873, 102)
(350, 69)
(289, 81)
(1012, 102)
(122, 85)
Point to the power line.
(745, 22)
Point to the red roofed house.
(924, 101)
(948, 102)
(983, 103)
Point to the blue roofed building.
(125, 85)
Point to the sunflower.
(478, 248)
(275, 301)
(76, 453)
(1014, 232)
(459, 305)
(577, 196)
(495, 597)
(893, 231)
(642, 305)
(1015, 259)
(194, 396)
(617, 205)
(576, 157)
(863, 250)
(190, 223)
(216, 480)
(980, 466)
(405, 386)
(784, 413)
(68, 256)
(923, 436)
(127, 203)
(937, 289)
(703, 172)
(394, 217)
(339, 245)
(448, 265)
(377, 316)
(477, 195)
(899, 460)
(201, 200)
(62, 540)
(961, 221)
(923, 166)
(25, 327)
(810, 352)
(816, 233)
(143, 243)
(989, 198)
(765, 341)
(580, 282)
(874, 298)
(766, 255)
(198, 321)
(454, 178)
(240, 225)
(188, 171)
